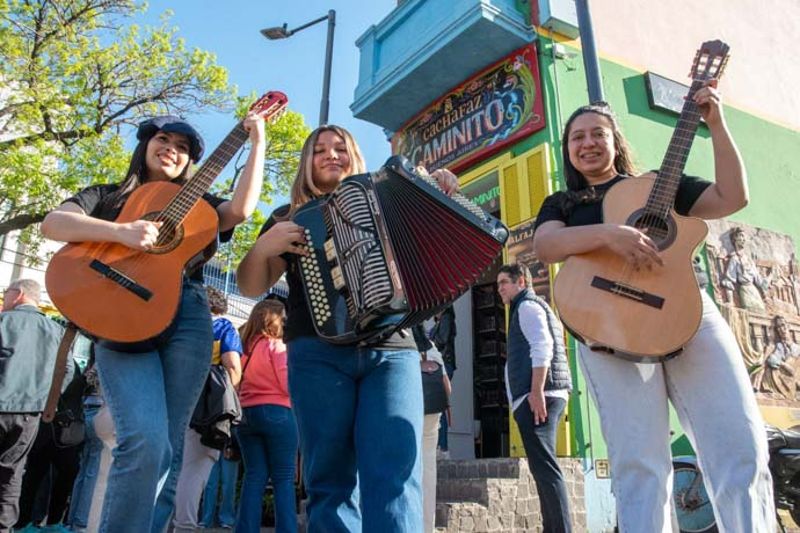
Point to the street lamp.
(281, 32)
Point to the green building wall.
(767, 149)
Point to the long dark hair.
(623, 158)
(137, 175)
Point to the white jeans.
(710, 390)
(198, 460)
(104, 428)
(430, 434)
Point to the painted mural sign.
(485, 192)
(755, 279)
(489, 111)
(520, 250)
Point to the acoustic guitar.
(120, 294)
(644, 315)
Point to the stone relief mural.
(754, 275)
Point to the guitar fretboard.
(662, 197)
(174, 213)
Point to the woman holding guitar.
(152, 387)
(707, 383)
(359, 408)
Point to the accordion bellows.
(388, 250)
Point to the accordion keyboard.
(458, 197)
(318, 303)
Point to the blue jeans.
(226, 472)
(83, 489)
(268, 439)
(151, 396)
(359, 412)
(539, 441)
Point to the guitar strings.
(178, 208)
(180, 205)
(658, 205)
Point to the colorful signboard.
(477, 119)
(520, 250)
(485, 192)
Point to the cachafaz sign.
(481, 116)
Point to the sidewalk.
(223, 530)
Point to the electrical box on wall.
(560, 16)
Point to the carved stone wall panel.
(754, 275)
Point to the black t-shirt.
(581, 208)
(96, 202)
(298, 317)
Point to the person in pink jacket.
(268, 433)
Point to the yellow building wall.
(525, 181)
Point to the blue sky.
(230, 29)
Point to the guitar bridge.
(121, 279)
(628, 291)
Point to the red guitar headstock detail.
(271, 105)
(710, 61)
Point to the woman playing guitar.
(707, 383)
(151, 389)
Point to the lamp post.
(281, 32)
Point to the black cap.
(173, 124)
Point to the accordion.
(388, 250)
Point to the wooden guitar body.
(643, 315)
(125, 295)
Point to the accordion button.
(330, 251)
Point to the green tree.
(73, 73)
(285, 137)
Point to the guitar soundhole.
(168, 237)
(657, 227)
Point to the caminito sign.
(487, 112)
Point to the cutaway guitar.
(117, 293)
(640, 314)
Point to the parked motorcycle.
(693, 506)
(784, 464)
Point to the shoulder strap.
(59, 372)
(249, 358)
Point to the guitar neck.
(662, 197)
(201, 182)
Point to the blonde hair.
(303, 188)
(266, 319)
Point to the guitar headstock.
(271, 105)
(710, 61)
